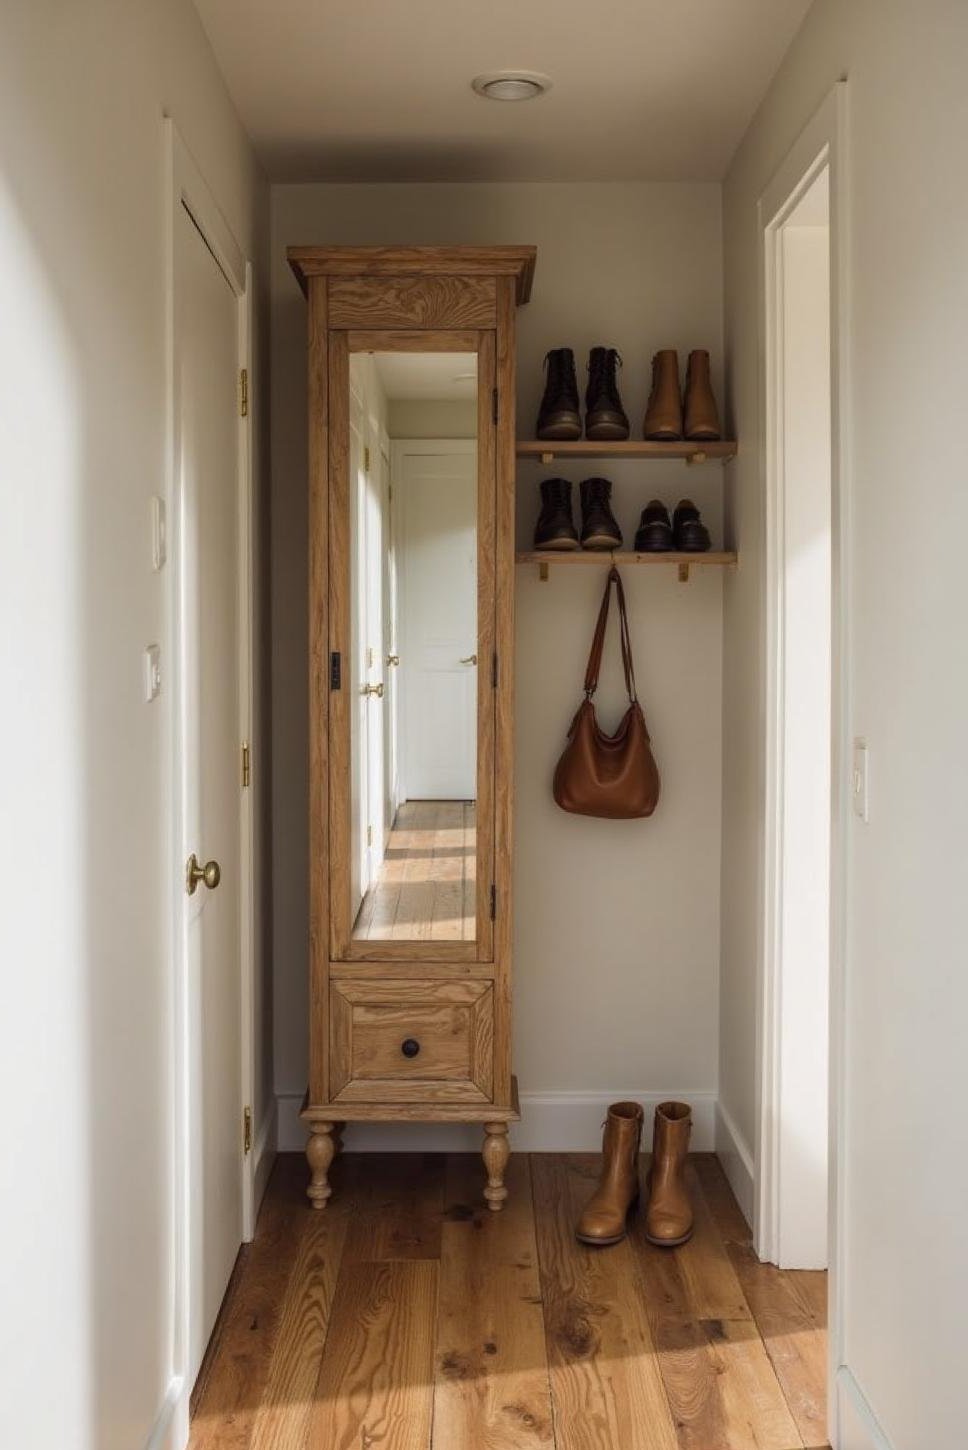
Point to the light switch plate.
(858, 779)
(152, 667)
(159, 533)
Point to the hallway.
(409, 1317)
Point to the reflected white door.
(438, 669)
(206, 322)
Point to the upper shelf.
(547, 450)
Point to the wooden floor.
(406, 1316)
(426, 890)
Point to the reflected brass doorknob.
(373, 690)
(470, 660)
(210, 873)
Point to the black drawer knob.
(410, 1047)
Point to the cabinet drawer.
(411, 1041)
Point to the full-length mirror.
(413, 668)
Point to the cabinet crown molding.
(497, 261)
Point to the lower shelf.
(683, 562)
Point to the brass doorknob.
(373, 690)
(210, 873)
(470, 660)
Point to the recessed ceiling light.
(511, 85)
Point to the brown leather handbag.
(608, 775)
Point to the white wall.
(424, 418)
(617, 935)
(905, 1253)
(85, 1353)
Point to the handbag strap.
(598, 641)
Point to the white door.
(207, 342)
(438, 660)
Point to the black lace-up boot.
(598, 527)
(605, 418)
(555, 528)
(558, 416)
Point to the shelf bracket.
(547, 458)
(683, 573)
(700, 456)
(543, 572)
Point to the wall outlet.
(152, 671)
(858, 779)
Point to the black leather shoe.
(689, 532)
(555, 528)
(599, 529)
(558, 416)
(605, 418)
(654, 534)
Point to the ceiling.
(441, 377)
(379, 90)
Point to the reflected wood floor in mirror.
(426, 888)
(407, 1316)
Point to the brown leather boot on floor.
(603, 1221)
(701, 413)
(663, 416)
(668, 1220)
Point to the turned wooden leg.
(497, 1151)
(319, 1154)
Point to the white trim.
(263, 1157)
(735, 1155)
(859, 1428)
(170, 1430)
(187, 187)
(822, 142)
(249, 798)
(551, 1122)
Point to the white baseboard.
(857, 1427)
(734, 1153)
(170, 1430)
(265, 1155)
(551, 1122)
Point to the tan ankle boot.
(669, 1218)
(701, 413)
(603, 1221)
(663, 416)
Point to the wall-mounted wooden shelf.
(684, 562)
(546, 451)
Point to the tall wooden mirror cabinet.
(411, 578)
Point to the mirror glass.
(414, 641)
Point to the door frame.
(822, 143)
(400, 449)
(186, 187)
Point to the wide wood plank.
(399, 1210)
(605, 1381)
(231, 1385)
(780, 1302)
(491, 1378)
(375, 1384)
(282, 1418)
(721, 1385)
